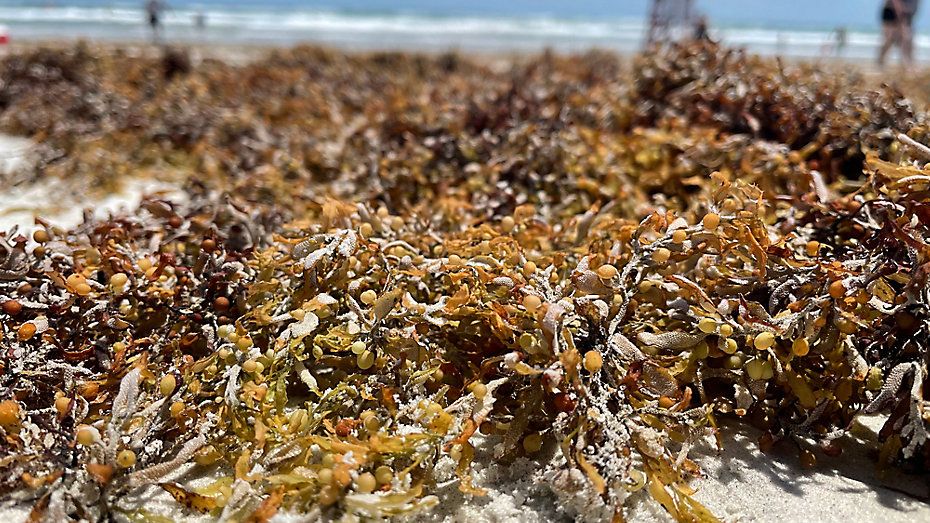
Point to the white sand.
(62, 202)
(741, 484)
(14, 152)
(746, 485)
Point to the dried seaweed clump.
(357, 291)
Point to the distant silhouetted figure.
(200, 21)
(898, 29)
(842, 39)
(666, 15)
(702, 30)
(781, 44)
(836, 46)
(154, 9)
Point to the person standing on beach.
(667, 15)
(200, 21)
(841, 40)
(898, 29)
(702, 30)
(154, 9)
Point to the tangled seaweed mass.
(379, 261)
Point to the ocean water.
(787, 27)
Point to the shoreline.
(244, 53)
(236, 51)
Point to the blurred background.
(799, 28)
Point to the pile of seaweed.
(381, 261)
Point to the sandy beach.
(738, 483)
